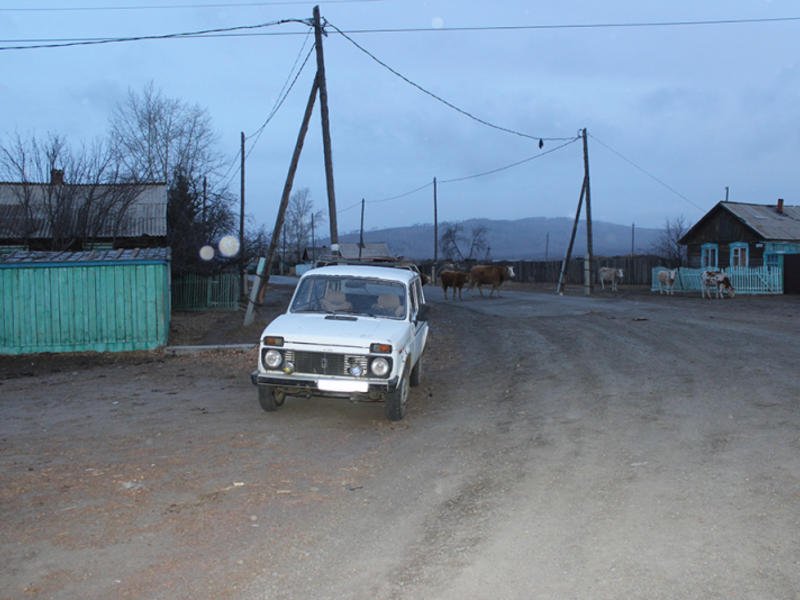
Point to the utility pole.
(326, 132)
(313, 242)
(546, 246)
(243, 268)
(726, 193)
(205, 197)
(589, 250)
(361, 238)
(263, 278)
(568, 255)
(435, 233)
(633, 229)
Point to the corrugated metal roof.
(87, 256)
(370, 250)
(102, 211)
(767, 221)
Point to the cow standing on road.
(610, 275)
(711, 280)
(493, 275)
(455, 280)
(666, 281)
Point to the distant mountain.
(523, 239)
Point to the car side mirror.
(422, 313)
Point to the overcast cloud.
(698, 107)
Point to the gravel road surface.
(620, 446)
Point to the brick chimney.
(779, 208)
(57, 177)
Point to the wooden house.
(59, 216)
(738, 234)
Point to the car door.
(420, 326)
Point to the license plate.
(337, 385)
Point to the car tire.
(396, 401)
(269, 398)
(416, 373)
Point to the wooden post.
(242, 255)
(361, 237)
(287, 189)
(326, 132)
(589, 250)
(435, 233)
(568, 255)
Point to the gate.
(791, 273)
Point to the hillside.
(520, 239)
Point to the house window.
(773, 260)
(709, 256)
(740, 254)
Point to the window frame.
(706, 251)
(740, 250)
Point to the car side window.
(413, 292)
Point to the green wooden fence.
(206, 292)
(745, 280)
(107, 301)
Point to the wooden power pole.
(243, 265)
(326, 131)
(435, 233)
(589, 250)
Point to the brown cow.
(455, 280)
(493, 275)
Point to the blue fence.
(745, 280)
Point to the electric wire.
(514, 164)
(280, 99)
(55, 42)
(436, 97)
(643, 170)
(182, 35)
(179, 6)
(464, 178)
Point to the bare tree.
(297, 227)
(450, 238)
(453, 239)
(65, 195)
(156, 138)
(666, 245)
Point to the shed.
(99, 300)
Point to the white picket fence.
(745, 280)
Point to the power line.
(179, 6)
(514, 164)
(466, 177)
(434, 96)
(479, 28)
(187, 34)
(282, 95)
(643, 170)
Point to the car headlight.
(379, 367)
(273, 359)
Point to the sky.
(675, 114)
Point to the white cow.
(610, 275)
(710, 280)
(666, 281)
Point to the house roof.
(118, 210)
(86, 256)
(763, 219)
(370, 250)
(349, 250)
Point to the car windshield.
(350, 295)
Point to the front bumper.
(299, 385)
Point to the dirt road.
(621, 446)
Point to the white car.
(351, 331)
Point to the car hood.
(341, 331)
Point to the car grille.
(325, 363)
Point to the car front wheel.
(269, 398)
(396, 400)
